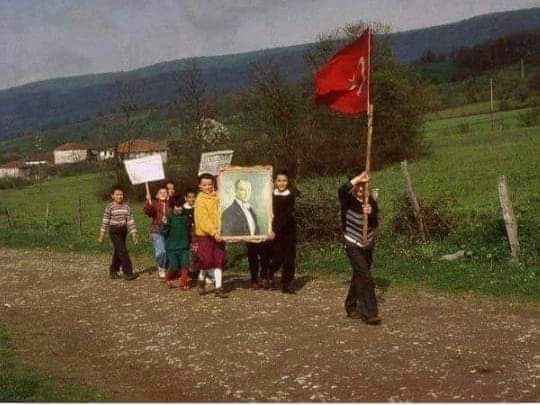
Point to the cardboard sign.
(211, 162)
(145, 169)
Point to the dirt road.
(141, 341)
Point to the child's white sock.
(202, 275)
(218, 274)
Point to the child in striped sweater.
(118, 221)
(361, 302)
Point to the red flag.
(343, 83)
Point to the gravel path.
(144, 342)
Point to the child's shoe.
(287, 289)
(130, 277)
(161, 272)
(374, 320)
(202, 287)
(219, 292)
(114, 275)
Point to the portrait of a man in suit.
(239, 218)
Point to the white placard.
(145, 169)
(211, 162)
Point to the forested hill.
(61, 101)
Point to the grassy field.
(464, 164)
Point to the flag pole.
(369, 137)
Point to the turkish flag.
(343, 82)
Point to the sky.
(41, 39)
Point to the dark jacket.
(156, 210)
(235, 223)
(284, 222)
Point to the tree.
(308, 139)
(274, 110)
(399, 99)
(428, 56)
(129, 100)
(194, 105)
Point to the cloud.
(50, 38)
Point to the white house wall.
(69, 156)
(10, 173)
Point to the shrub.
(530, 118)
(14, 183)
(438, 222)
(464, 127)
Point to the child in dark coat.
(283, 247)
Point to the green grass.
(465, 165)
(19, 383)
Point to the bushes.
(530, 118)
(438, 222)
(14, 183)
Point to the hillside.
(57, 102)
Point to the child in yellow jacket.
(210, 247)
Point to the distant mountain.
(56, 102)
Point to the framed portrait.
(245, 196)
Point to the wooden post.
(147, 189)
(368, 169)
(414, 202)
(491, 103)
(522, 70)
(80, 218)
(509, 217)
(10, 222)
(47, 218)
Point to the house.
(137, 148)
(105, 154)
(70, 153)
(39, 159)
(13, 169)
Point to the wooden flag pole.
(368, 169)
(369, 137)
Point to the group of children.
(187, 244)
(185, 236)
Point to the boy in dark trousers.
(118, 221)
(361, 302)
(283, 247)
(189, 209)
(176, 230)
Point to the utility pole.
(491, 104)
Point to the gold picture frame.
(245, 203)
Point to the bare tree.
(129, 99)
(194, 105)
(275, 108)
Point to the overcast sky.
(40, 39)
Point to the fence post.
(80, 218)
(10, 222)
(47, 211)
(414, 202)
(509, 217)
